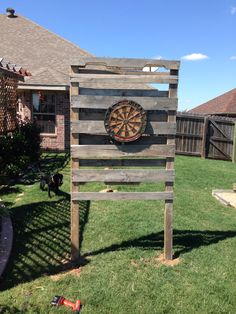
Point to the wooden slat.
(113, 151)
(75, 249)
(122, 163)
(205, 130)
(185, 135)
(126, 62)
(160, 78)
(104, 102)
(188, 153)
(97, 127)
(98, 196)
(123, 92)
(234, 145)
(217, 127)
(168, 213)
(123, 175)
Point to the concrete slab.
(226, 197)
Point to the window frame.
(35, 114)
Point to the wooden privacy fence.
(97, 85)
(206, 136)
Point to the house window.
(44, 111)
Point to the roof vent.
(11, 13)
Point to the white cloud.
(233, 58)
(195, 57)
(233, 10)
(158, 57)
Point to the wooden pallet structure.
(99, 84)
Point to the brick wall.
(61, 139)
(8, 101)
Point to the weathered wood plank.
(188, 153)
(98, 196)
(122, 163)
(168, 230)
(204, 137)
(113, 151)
(123, 92)
(160, 78)
(119, 175)
(104, 102)
(126, 62)
(168, 212)
(97, 127)
(234, 145)
(75, 252)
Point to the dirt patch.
(69, 268)
(75, 271)
(163, 261)
(155, 261)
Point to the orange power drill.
(60, 300)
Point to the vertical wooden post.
(74, 115)
(204, 137)
(168, 214)
(234, 145)
(168, 229)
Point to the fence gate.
(117, 120)
(220, 137)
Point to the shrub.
(20, 148)
(3, 211)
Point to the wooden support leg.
(75, 230)
(75, 249)
(168, 232)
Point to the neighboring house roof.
(13, 68)
(223, 104)
(46, 55)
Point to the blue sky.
(200, 33)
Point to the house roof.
(46, 55)
(223, 104)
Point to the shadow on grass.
(183, 241)
(48, 164)
(9, 190)
(41, 240)
(9, 310)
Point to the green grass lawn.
(120, 244)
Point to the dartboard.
(125, 121)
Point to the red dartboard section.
(123, 132)
(125, 121)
